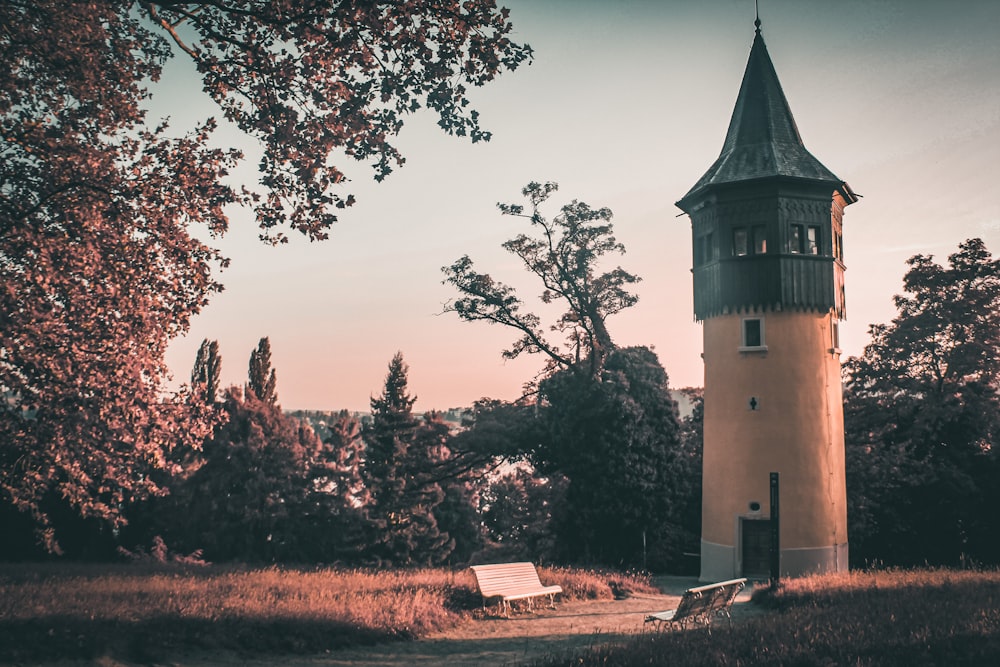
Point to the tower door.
(756, 547)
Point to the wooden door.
(756, 543)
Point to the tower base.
(720, 562)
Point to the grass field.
(911, 618)
(142, 612)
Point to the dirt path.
(567, 629)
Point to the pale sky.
(626, 105)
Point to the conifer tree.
(262, 378)
(399, 455)
(207, 369)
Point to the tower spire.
(756, 23)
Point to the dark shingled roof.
(763, 140)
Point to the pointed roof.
(763, 140)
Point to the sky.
(626, 105)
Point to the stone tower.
(766, 221)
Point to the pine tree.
(397, 470)
(207, 369)
(262, 378)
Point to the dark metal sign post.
(775, 532)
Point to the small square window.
(753, 334)
(739, 241)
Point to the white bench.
(511, 581)
(701, 605)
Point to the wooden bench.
(511, 581)
(701, 605)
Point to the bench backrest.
(728, 592)
(706, 599)
(498, 578)
(695, 603)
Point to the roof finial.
(756, 23)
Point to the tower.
(766, 221)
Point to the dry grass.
(578, 584)
(923, 617)
(141, 612)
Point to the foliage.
(604, 417)
(400, 452)
(565, 257)
(513, 506)
(335, 514)
(324, 79)
(617, 439)
(262, 380)
(207, 369)
(247, 498)
(688, 509)
(98, 270)
(922, 411)
(519, 509)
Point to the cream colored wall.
(797, 430)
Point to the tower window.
(752, 334)
(796, 239)
(739, 241)
(759, 239)
(752, 243)
(812, 240)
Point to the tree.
(519, 510)
(337, 496)
(618, 441)
(922, 413)
(605, 419)
(565, 258)
(207, 369)
(400, 450)
(246, 500)
(98, 271)
(262, 379)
